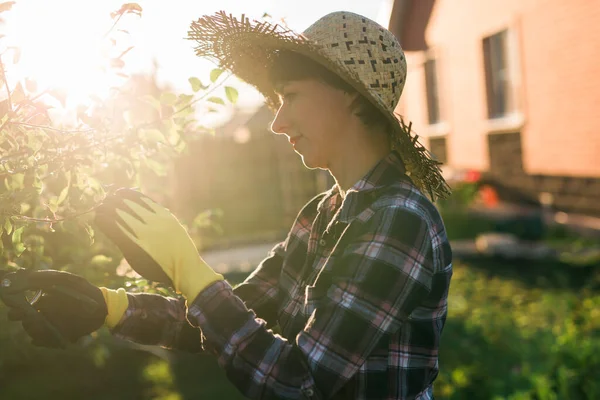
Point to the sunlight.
(62, 47)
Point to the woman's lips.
(294, 140)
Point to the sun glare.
(62, 46)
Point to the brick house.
(510, 88)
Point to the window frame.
(439, 126)
(512, 118)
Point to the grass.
(510, 335)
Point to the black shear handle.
(13, 287)
(19, 301)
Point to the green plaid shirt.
(358, 291)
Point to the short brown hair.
(289, 66)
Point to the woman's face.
(314, 117)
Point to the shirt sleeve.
(260, 290)
(383, 272)
(151, 319)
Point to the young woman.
(358, 289)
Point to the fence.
(259, 184)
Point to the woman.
(358, 290)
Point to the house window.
(431, 87)
(497, 75)
(439, 149)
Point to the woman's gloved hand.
(154, 242)
(72, 317)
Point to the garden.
(517, 329)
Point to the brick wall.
(558, 65)
(556, 69)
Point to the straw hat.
(359, 50)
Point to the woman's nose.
(280, 124)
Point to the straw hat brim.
(246, 48)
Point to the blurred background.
(97, 95)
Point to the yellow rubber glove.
(158, 232)
(116, 305)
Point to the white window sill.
(509, 123)
(438, 129)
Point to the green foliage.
(231, 93)
(464, 194)
(196, 84)
(215, 74)
(509, 339)
(53, 176)
(216, 100)
(505, 338)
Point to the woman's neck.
(356, 160)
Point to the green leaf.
(231, 93)
(100, 260)
(158, 168)
(151, 135)
(88, 230)
(18, 94)
(164, 292)
(63, 195)
(168, 98)
(170, 130)
(151, 100)
(141, 282)
(17, 241)
(37, 183)
(215, 73)
(35, 142)
(185, 98)
(16, 182)
(196, 84)
(53, 204)
(185, 112)
(216, 100)
(203, 219)
(7, 226)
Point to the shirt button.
(322, 242)
(309, 392)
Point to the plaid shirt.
(358, 291)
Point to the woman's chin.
(309, 163)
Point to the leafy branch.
(59, 174)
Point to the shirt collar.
(363, 193)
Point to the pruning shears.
(14, 292)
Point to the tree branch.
(66, 132)
(7, 92)
(204, 95)
(49, 220)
